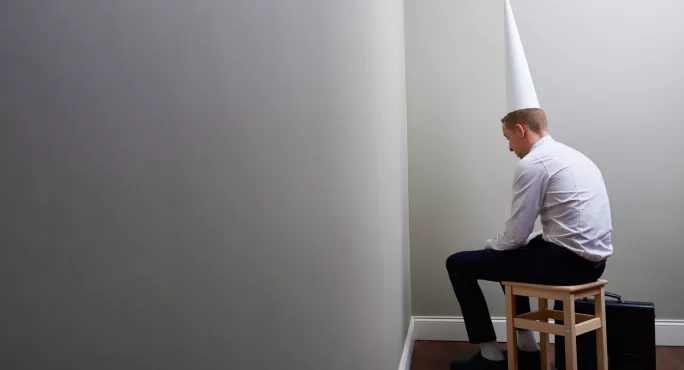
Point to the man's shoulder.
(530, 161)
(566, 148)
(576, 155)
(529, 165)
(564, 153)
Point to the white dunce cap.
(520, 93)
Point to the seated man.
(567, 191)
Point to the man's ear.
(520, 130)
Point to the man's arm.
(528, 184)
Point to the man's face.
(515, 137)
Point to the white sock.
(526, 341)
(491, 351)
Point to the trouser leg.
(465, 269)
(478, 321)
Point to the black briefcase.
(630, 332)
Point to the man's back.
(575, 210)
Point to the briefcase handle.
(616, 296)
(611, 295)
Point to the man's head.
(523, 128)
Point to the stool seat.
(574, 324)
(560, 288)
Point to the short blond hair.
(534, 118)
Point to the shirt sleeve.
(528, 185)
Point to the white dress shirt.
(566, 189)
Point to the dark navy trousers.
(539, 262)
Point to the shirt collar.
(542, 141)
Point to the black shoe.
(477, 362)
(527, 360)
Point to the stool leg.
(544, 337)
(601, 344)
(512, 342)
(570, 336)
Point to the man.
(564, 188)
(553, 181)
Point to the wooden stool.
(574, 324)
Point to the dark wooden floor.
(432, 355)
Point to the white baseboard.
(668, 332)
(405, 362)
(450, 328)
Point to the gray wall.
(202, 185)
(608, 73)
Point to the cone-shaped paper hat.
(520, 93)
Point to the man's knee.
(456, 262)
(471, 262)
